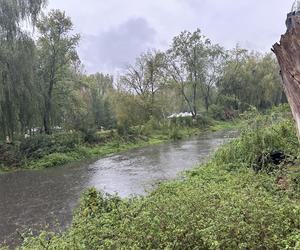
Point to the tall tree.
(213, 71)
(194, 65)
(12, 13)
(100, 87)
(145, 78)
(17, 57)
(245, 73)
(57, 49)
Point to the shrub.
(204, 121)
(182, 121)
(222, 113)
(53, 160)
(258, 142)
(174, 133)
(36, 147)
(127, 133)
(90, 136)
(9, 155)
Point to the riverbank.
(246, 197)
(52, 151)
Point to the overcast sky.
(115, 32)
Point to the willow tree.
(16, 64)
(57, 50)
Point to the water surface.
(34, 199)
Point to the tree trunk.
(288, 56)
(47, 122)
(206, 102)
(48, 108)
(48, 98)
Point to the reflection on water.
(33, 199)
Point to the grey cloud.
(117, 46)
(254, 24)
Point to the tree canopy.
(44, 88)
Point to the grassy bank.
(246, 197)
(113, 145)
(50, 151)
(45, 151)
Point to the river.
(46, 198)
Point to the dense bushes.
(44, 151)
(36, 147)
(53, 160)
(262, 139)
(90, 135)
(222, 205)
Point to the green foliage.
(194, 65)
(204, 121)
(127, 133)
(129, 109)
(146, 79)
(226, 108)
(222, 205)
(251, 79)
(182, 121)
(40, 146)
(9, 155)
(90, 136)
(44, 151)
(14, 12)
(43, 87)
(53, 160)
(259, 141)
(17, 67)
(57, 51)
(174, 133)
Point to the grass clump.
(259, 142)
(52, 160)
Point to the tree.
(145, 78)
(194, 65)
(213, 71)
(13, 13)
(287, 53)
(57, 49)
(231, 83)
(100, 87)
(17, 66)
(244, 74)
(129, 109)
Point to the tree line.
(43, 87)
(197, 76)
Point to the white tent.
(184, 114)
